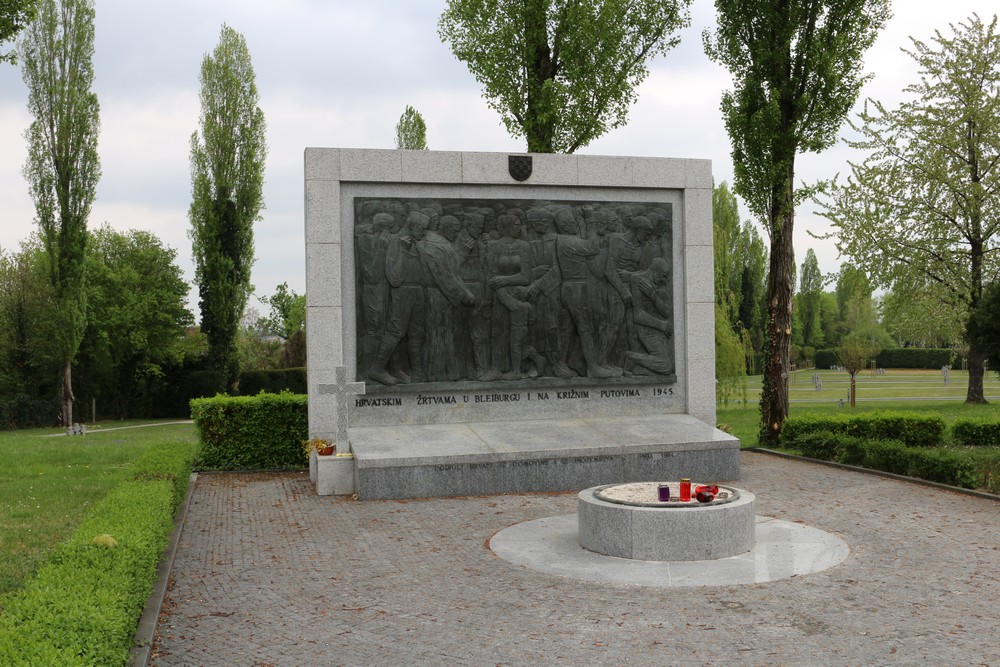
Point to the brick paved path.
(269, 574)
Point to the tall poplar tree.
(227, 173)
(63, 167)
(411, 130)
(561, 72)
(797, 71)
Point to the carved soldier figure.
(370, 245)
(444, 296)
(508, 265)
(407, 278)
(544, 291)
(624, 259)
(474, 324)
(576, 291)
(652, 305)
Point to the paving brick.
(256, 582)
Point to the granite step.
(500, 457)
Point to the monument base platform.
(487, 458)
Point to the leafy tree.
(227, 173)
(797, 67)
(258, 350)
(924, 206)
(287, 320)
(136, 317)
(854, 353)
(559, 72)
(15, 15)
(63, 167)
(740, 266)
(29, 359)
(809, 301)
(411, 130)
(983, 329)
(915, 314)
(288, 312)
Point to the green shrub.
(82, 606)
(273, 381)
(887, 455)
(826, 359)
(169, 461)
(914, 429)
(946, 466)
(825, 445)
(976, 433)
(916, 357)
(251, 432)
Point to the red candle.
(685, 490)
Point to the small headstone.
(76, 429)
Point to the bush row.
(251, 432)
(976, 433)
(913, 429)
(901, 357)
(971, 469)
(24, 411)
(83, 605)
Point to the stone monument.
(519, 322)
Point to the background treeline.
(834, 314)
(141, 355)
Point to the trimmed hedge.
(273, 381)
(913, 429)
(259, 432)
(900, 357)
(968, 468)
(916, 357)
(83, 604)
(976, 433)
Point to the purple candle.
(664, 493)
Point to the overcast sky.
(339, 73)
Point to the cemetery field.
(897, 389)
(47, 485)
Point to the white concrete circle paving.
(782, 550)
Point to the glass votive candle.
(685, 490)
(663, 493)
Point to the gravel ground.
(267, 573)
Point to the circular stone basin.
(627, 521)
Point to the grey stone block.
(322, 163)
(431, 166)
(369, 165)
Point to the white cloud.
(340, 73)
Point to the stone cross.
(341, 389)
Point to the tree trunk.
(854, 388)
(977, 372)
(774, 393)
(66, 395)
(774, 390)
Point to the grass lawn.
(47, 484)
(913, 390)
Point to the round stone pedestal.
(668, 531)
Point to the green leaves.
(227, 174)
(411, 130)
(560, 73)
(252, 432)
